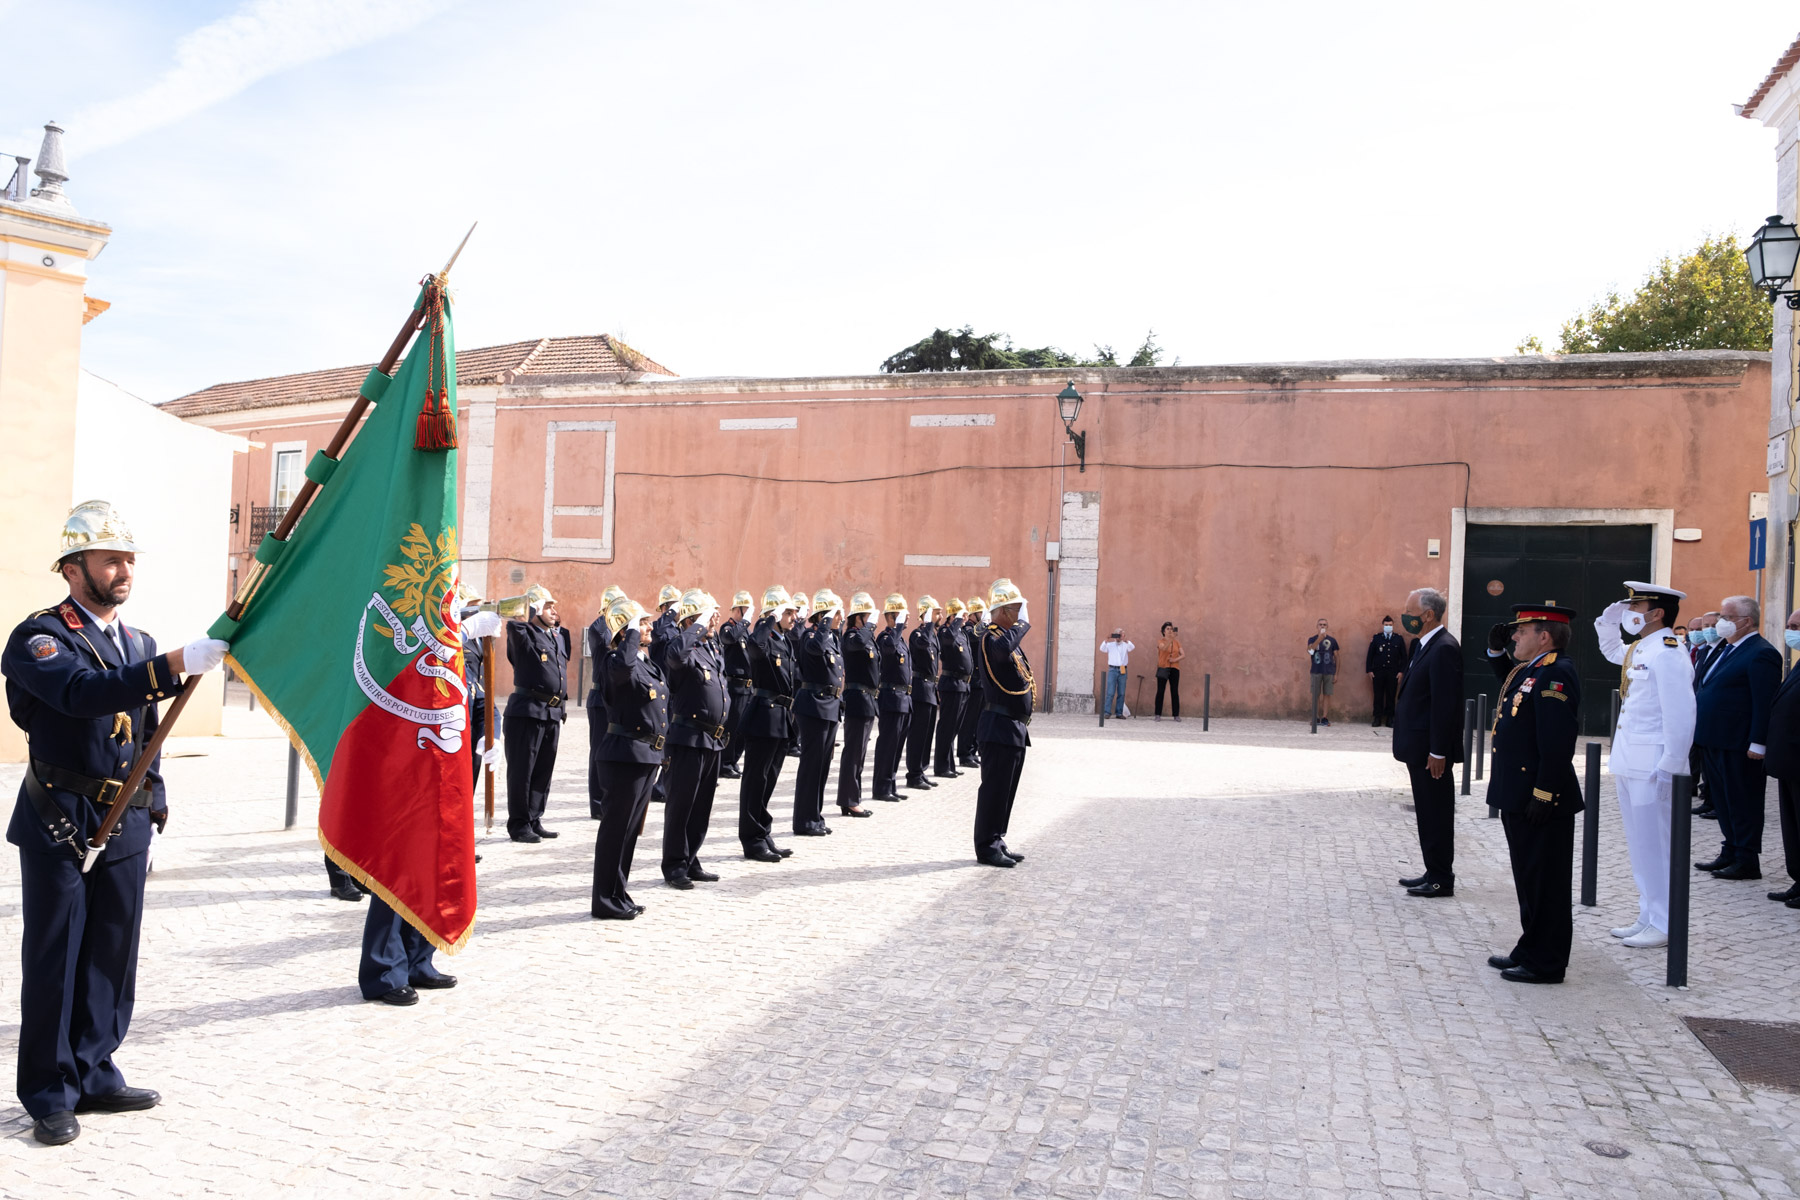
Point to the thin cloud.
(262, 38)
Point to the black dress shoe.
(544, 833)
(1015, 855)
(680, 883)
(890, 798)
(1717, 864)
(856, 812)
(947, 774)
(629, 914)
(525, 835)
(761, 854)
(1739, 871)
(994, 858)
(812, 831)
(126, 1099)
(57, 1129)
(347, 891)
(782, 850)
(400, 997)
(699, 874)
(1708, 814)
(1786, 893)
(433, 982)
(1432, 891)
(641, 909)
(968, 762)
(1414, 882)
(1500, 962)
(730, 773)
(915, 783)
(1794, 903)
(1519, 974)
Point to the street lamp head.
(1772, 255)
(1068, 403)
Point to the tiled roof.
(1782, 67)
(572, 358)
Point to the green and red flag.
(351, 640)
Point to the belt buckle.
(658, 743)
(718, 731)
(109, 791)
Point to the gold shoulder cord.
(1030, 682)
(121, 730)
(1625, 672)
(1504, 688)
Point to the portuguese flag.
(351, 641)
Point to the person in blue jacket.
(637, 727)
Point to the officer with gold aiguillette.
(538, 649)
(84, 687)
(1008, 693)
(1534, 783)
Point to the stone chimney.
(51, 170)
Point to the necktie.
(112, 635)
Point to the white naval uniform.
(1650, 747)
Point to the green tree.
(1701, 301)
(965, 350)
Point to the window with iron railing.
(264, 520)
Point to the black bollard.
(1681, 820)
(1590, 826)
(1481, 728)
(293, 787)
(1206, 705)
(1468, 741)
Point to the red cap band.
(1540, 615)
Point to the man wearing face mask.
(1428, 717)
(1783, 762)
(1702, 641)
(1651, 744)
(1737, 688)
(1385, 662)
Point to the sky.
(803, 188)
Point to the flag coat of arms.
(351, 641)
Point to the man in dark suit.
(1386, 661)
(1428, 716)
(1783, 762)
(1731, 727)
(1703, 643)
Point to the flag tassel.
(437, 424)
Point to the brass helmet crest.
(775, 600)
(861, 602)
(670, 594)
(955, 606)
(825, 601)
(895, 603)
(623, 612)
(695, 602)
(927, 603)
(1002, 593)
(94, 525)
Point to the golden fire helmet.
(94, 525)
(955, 606)
(927, 603)
(977, 608)
(537, 595)
(743, 600)
(670, 594)
(1002, 593)
(862, 602)
(776, 599)
(895, 603)
(613, 592)
(622, 613)
(695, 602)
(825, 600)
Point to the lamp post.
(1068, 405)
(1772, 254)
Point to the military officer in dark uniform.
(1385, 663)
(662, 632)
(637, 709)
(83, 686)
(1009, 694)
(1534, 784)
(968, 751)
(818, 708)
(734, 641)
(538, 649)
(862, 684)
(768, 724)
(955, 668)
(698, 705)
(894, 702)
(802, 606)
(923, 642)
(599, 645)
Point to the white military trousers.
(1644, 807)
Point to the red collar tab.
(71, 616)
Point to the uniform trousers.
(1434, 804)
(818, 741)
(80, 944)
(693, 780)
(627, 786)
(477, 728)
(394, 954)
(1645, 808)
(890, 746)
(530, 762)
(1001, 765)
(1790, 826)
(1543, 858)
(1738, 784)
(950, 706)
(734, 722)
(966, 745)
(763, 757)
(850, 766)
(337, 876)
(1385, 686)
(596, 731)
(918, 738)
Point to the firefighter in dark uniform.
(1008, 693)
(734, 641)
(698, 705)
(802, 606)
(662, 632)
(538, 649)
(637, 726)
(923, 642)
(955, 668)
(817, 708)
(1534, 785)
(768, 724)
(893, 704)
(599, 645)
(83, 686)
(968, 750)
(862, 684)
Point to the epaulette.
(70, 617)
(1671, 640)
(1549, 658)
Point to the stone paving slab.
(1203, 983)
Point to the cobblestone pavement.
(1203, 983)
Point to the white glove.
(483, 625)
(489, 755)
(202, 655)
(1614, 613)
(1025, 611)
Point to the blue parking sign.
(1759, 543)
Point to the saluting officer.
(955, 667)
(1534, 785)
(1651, 744)
(923, 641)
(862, 684)
(802, 606)
(637, 707)
(698, 705)
(538, 649)
(663, 632)
(817, 708)
(1008, 693)
(968, 750)
(599, 644)
(894, 702)
(768, 724)
(83, 686)
(734, 641)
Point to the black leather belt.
(775, 698)
(905, 689)
(101, 791)
(830, 693)
(739, 683)
(652, 740)
(1011, 716)
(867, 691)
(712, 731)
(550, 698)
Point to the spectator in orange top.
(1168, 669)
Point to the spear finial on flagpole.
(443, 276)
